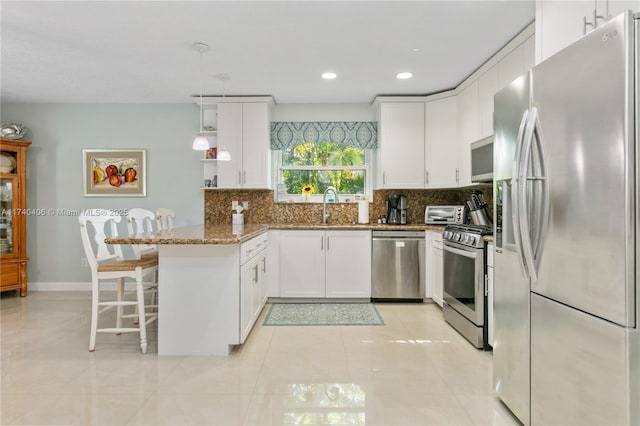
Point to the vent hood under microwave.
(482, 160)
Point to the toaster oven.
(445, 215)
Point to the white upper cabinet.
(560, 23)
(401, 130)
(468, 131)
(244, 130)
(488, 85)
(529, 53)
(441, 142)
(511, 66)
(256, 162)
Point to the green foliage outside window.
(312, 163)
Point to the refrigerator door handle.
(543, 208)
(515, 194)
(532, 245)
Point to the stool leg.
(142, 323)
(95, 290)
(119, 308)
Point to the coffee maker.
(397, 209)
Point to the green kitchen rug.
(323, 314)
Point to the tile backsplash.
(263, 209)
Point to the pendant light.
(201, 143)
(223, 153)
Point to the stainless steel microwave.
(482, 160)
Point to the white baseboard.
(75, 286)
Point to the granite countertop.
(234, 234)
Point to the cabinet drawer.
(9, 273)
(250, 248)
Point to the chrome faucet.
(325, 216)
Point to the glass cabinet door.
(7, 212)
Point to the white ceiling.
(141, 51)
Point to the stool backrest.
(140, 221)
(164, 217)
(101, 222)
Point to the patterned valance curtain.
(287, 134)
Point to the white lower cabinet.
(490, 293)
(253, 282)
(434, 266)
(331, 264)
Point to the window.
(324, 164)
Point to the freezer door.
(583, 96)
(511, 283)
(511, 334)
(579, 367)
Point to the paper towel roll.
(363, 211)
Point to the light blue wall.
(59, 132)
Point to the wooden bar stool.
(108, 264)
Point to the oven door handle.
(465, 253)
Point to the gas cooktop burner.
(467, 235)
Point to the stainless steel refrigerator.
(566, 346)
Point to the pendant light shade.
(223, 154)
(200, 142)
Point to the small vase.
(307, 198)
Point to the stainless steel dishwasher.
(398, 272)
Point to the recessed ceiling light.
(329, 75)
(415, 49)
(404, 75)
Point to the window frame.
(278, 168)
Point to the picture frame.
(127, 165)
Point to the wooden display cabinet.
(13, 215)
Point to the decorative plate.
(12, 131)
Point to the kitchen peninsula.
(209, 282)
(213, 281)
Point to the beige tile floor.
(414, 370)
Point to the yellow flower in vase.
(307, 190)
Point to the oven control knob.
(471, 240)
(457, 236)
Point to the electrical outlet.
(84, 262)
(234, 204)
(245, 205)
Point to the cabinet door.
(511, 66)
(249, 277)
(560, 23)
(468, 131)
(256, 163)
(230, 137)
(348, 264)
(528, 54)
(441, 142)
(438, 287)
(402, 145)
(302, 264)
(488, 85)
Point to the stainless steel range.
(464, 281)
